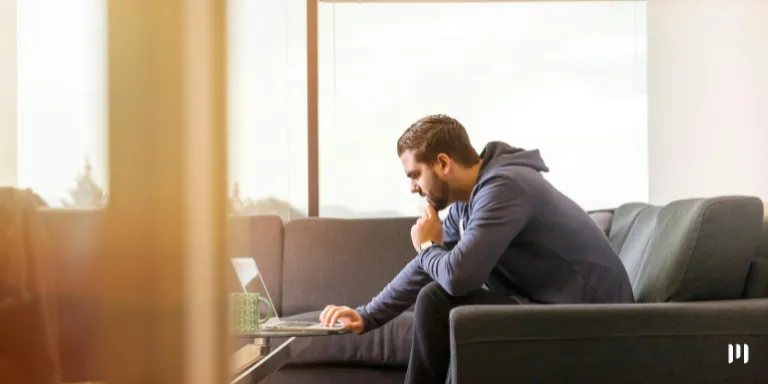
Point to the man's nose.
(414, 187)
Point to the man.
(510, 237)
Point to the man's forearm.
(396, 297)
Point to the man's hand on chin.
(427, 227)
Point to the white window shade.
(567, 78)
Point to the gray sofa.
(699, 284)
(699, 275)
(309, 263)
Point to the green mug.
(245, 315)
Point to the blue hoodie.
(517, 235)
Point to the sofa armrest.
(628, 343)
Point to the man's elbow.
(458, 285)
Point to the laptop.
(251, 281)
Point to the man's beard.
(439, 201)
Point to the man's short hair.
(435, 134)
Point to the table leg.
(248, 355)
(271, 358)
(263, 344)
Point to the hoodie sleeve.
(396, 297)
(499, 210)
(401, 293)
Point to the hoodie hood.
(498, 154)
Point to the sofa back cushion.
(341, 261)
(694, 249)
(259, 237)
(603, 218)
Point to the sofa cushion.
(622, 221)
(259, 237)
(341, 261)
(336, 374)
(757, 279)
(694, 249)
(756, 285)
(603, 218)
(388, 346)
(761, 251)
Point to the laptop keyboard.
(297, 324)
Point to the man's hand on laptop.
(348, 317)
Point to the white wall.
(707, 98)
(8, 164)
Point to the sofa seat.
(388, 346)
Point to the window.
(567, 78)
(268, 107)
(61, 101)
(62, 104)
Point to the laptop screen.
(251, 281)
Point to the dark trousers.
(430, 352)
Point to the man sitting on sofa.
(510, 237)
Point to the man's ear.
(444, 161)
